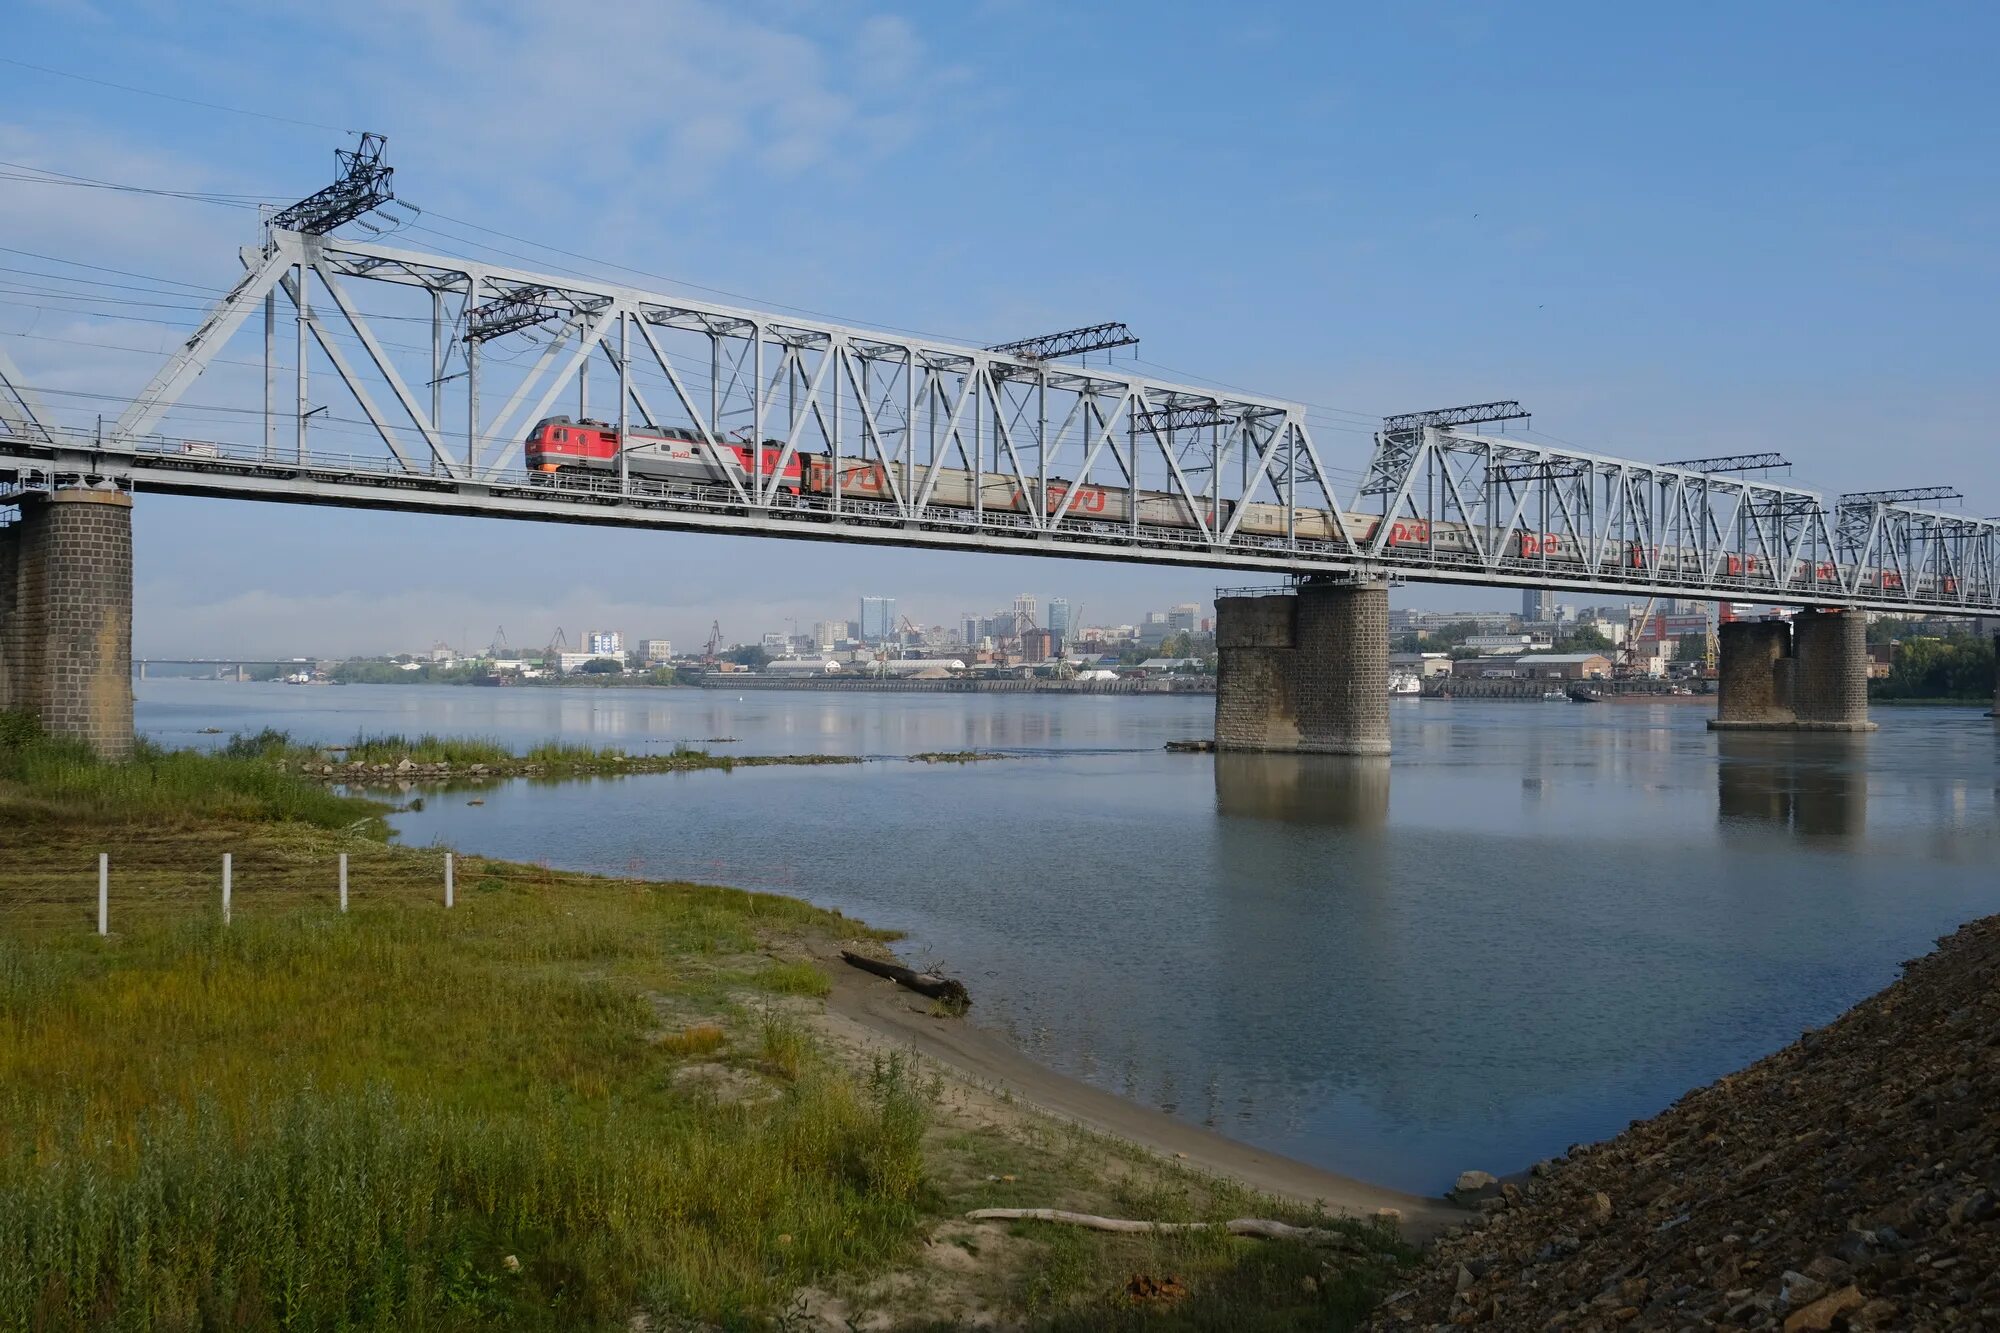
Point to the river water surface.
(1539, 921)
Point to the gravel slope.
(1852, 1180)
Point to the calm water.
(1538, 922)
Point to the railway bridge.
(352, 373)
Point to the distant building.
(1564, 666)
(1037, 645)
(568, 662)
(1537, 605)
(605, 643)
(1024, 613)
(827, 633)
(1487, 668)
(1494, 644)
(1421, 664)
(1184, 618)
(1059, 625)
(656, 652)
(777, 642)
(878, 619)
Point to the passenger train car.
(558, 445)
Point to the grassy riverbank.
(565, 1101)
(429, 756)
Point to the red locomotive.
(559, 444)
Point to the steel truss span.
(715, 418)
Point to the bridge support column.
(1305, 672)
(1753, 676)
(1810, 675)
(1831, 690)
(66, 616)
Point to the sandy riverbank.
(867, 1010)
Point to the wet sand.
(888, 1013)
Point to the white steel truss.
(21, 411)
(811, 429)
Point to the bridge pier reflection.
(1815, 786)
(1333, 791)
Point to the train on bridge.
(677, 456)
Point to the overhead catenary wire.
(175, 97)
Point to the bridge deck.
(374, 483)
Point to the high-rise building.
(606, 643)
(1024, 613)
(968, 630)
(656, 652)
(1537, 605)
(1183, 618)
(1058, 626)
(878, 618)
(1037, 645)
(828, 632)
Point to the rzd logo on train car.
(1089, 499)
(1542, 543)
(1412, 533)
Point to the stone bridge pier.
(1807, 675)
(66, 616)
(1304, 671)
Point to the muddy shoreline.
(879, 1011)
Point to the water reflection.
(1816, 785)
(1334, 791)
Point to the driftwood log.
(948, 989)
(1238, 1226)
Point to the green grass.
(305, 1119)
(426, 749)
(794, 978)
(48, 781)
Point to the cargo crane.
(1627, 661)
(552, 655)
(709, 654)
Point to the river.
(1539, 921)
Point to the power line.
(99, 268)
(171, 97)
(46, 176)
(647, 273)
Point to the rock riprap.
(1851, 1181)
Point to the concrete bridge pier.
(1808, 675)
(1831, 689)
(1753, 678)
(1305, 671)
(66, 616)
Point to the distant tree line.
(1958, 667)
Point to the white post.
(343, 881)
(225, 888)
(104, 893)
(447, 879)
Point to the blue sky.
(1669, 231)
